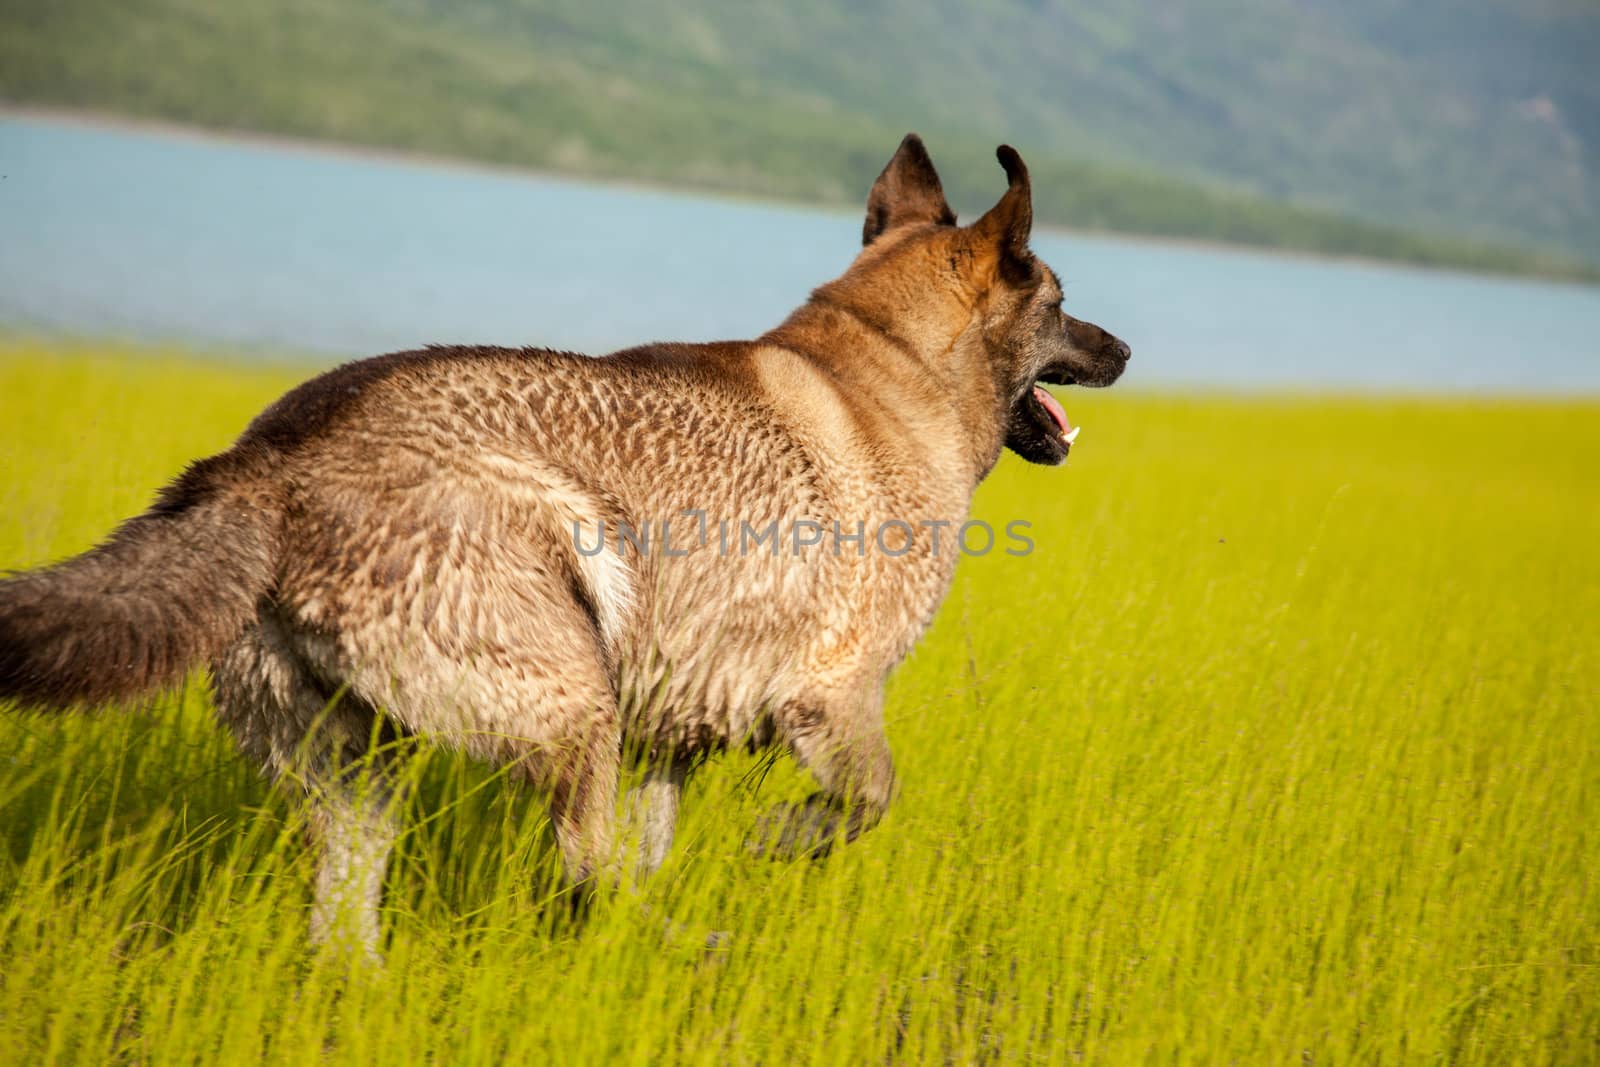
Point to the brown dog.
(541, 557)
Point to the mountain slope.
(1275, 121)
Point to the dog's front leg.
(653, 816)
(843, 745)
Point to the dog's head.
(1028, 339)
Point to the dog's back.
(443, 506)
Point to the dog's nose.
(1122, 350)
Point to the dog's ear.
(908, 190)
(1008, 224)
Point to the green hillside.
(1274, 124)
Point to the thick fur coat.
(546, 559)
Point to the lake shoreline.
(357, 152)
(274, 248)
(23, 344)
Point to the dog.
(421, 544)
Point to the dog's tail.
(170, 588)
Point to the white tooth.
(1073, 436)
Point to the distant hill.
(1407, 129)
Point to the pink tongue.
(1053, 407)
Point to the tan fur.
(424, 575)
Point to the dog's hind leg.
(354, 823)
(553, 710)
(336, 749)
(579, 771)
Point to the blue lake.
(273, 250)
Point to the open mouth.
(1051, 416)
(1040, 430)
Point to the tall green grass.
(1281, 748)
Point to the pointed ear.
(907, 191)
(1010, 221)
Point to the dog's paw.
(795, 831)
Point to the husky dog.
(429, 544)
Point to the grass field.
(1281, 748)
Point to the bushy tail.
(169, 589)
